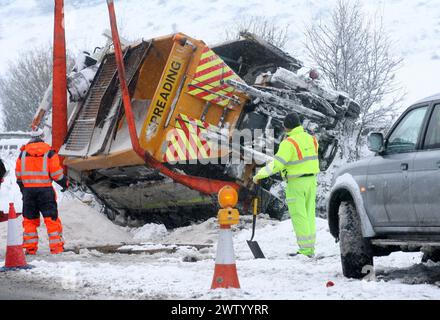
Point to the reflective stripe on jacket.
(38, 165)
(297, 155)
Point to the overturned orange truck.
(186, 96)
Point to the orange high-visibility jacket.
(38, 165)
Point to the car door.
(425, 179)
(388, 186)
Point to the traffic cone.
(15, 258)
(225, 272)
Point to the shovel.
(253, 245)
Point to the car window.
(432, 139)
(405, 135)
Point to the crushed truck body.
(186, 98)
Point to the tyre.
(356, 251)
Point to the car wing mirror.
(375, 142)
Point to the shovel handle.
(255, 207)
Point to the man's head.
(291, 121)
(37, 134)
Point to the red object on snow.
(329, 284)
(15, 258)
(3, 216)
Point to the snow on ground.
(187, 273)
(149, 232)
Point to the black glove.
(54, 216)
(64, 183)
(20, 185)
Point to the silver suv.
(391, 201)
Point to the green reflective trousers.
(301, 200)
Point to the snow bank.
(83, 226)
(150, 232)
(203, 233)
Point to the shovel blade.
(256, 250)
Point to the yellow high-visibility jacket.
(297, 155)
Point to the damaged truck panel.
(183, 92)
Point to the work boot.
(294, 254)
(299, 253)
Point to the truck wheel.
(356, 252)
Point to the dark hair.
(291, 121)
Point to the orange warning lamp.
(227, 197)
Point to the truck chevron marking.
(210, 75)
(187, 140)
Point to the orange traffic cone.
(15, 258)
(225, 272)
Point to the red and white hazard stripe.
(225, 273)
(15, 258)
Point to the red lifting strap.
(204, 185)
(296, 145)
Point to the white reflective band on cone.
(225, 248)
(15, 232)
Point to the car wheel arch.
(347, 190)
(337, 197)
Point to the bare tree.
(23, 87)
(266, 28)
(354, 55)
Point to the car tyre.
(356, 251)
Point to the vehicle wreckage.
(185, 97)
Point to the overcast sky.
(413, 24)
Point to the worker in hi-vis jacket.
(297, 161)
(37, 166)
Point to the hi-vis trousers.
(301, 200)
